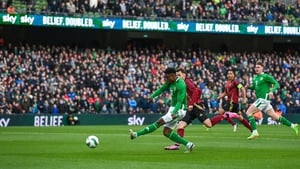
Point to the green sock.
(177, 139)
(148, 129)
(252, 122)
(284, 121)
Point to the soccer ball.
(92, 141)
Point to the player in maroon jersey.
(195, 108)
(230, 106)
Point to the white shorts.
(263, 105)
(171, 123)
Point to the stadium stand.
(62, 79)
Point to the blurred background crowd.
(283, 12)
(65, 80)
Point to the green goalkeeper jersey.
(263, 84)
(178, 92)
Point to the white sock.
(293, 125)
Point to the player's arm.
(221, 95)
(271, 80)
(181, 95)
(252, 86)
(160, 90)
(274, 85)
(242, 88)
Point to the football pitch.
(219, 148)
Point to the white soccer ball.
(92, 141)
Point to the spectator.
(281, 108)
(30, 9)
(143, 103)
(132, 104)
(71, 8)
(62, 106)
(11, 9)
(16, 108)
(47, 107)
(122, 106)
(296, 95)
(54, 110)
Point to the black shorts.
(197, 112)
(232, 107)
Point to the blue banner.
(147, 25)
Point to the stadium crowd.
(65, 80)
(283, 12)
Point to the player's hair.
(230, 69)
(181, 70)
(170, 70)
(260, 63)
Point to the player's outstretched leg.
(230, 120)
(254, 133)
(286, 122)
(189, 147)
(246, 124)
(149, 129)
(176, 146)
(235, 126)
(177, 139)
(132, 134)
(216, 119)
(296, 129)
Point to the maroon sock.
(180, 132)
(216, 119)
(230, 121)
(246, 124)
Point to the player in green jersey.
(264, 85)
(176, 112)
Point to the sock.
(230, 121)
(246, 124)
(232, 115)
(148, 129)
(252, 122)
(177, 139)
(180, 132)
(216, 119)
(284, 121)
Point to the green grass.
(219, 148)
